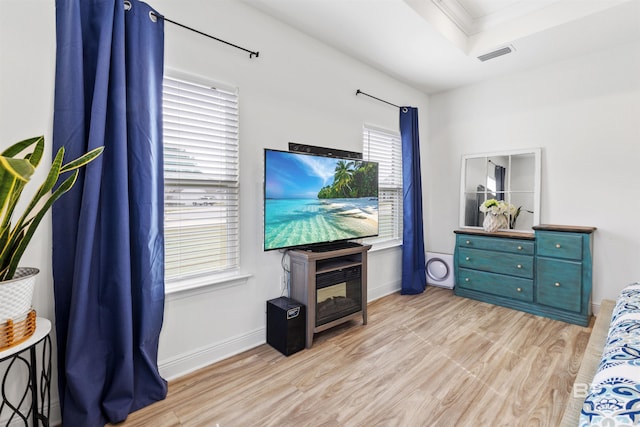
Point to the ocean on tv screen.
(313, 199)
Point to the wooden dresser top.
(566, 228)
(504, 234)
(527, 235)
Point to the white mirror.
(509, 176)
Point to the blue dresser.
(547, 273)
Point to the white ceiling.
(433, 45)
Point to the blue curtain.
(108, 242)
(414, 278)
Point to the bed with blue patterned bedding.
(614, 394)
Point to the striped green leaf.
(14, 174)
(83, 160)
(24, 237)
(21, 169)
(19, 147)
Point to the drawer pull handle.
(519, 248)
(467, 279)
(557, 284)
(519, 265)
(519, 289)
(558, 245)
(467, 259)
(468, 242)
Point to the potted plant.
(17, 165)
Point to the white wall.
(584, 113)
(27, 66)
(297, 90)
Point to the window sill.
(197, 285)
(387, 244)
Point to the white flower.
(496, 207)
(500, 207)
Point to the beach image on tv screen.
(313, 199)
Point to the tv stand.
(332, 284)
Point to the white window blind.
(200, 126)
(385, 147)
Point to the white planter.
(16, 295)
(494, 222)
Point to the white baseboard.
(55, 416)
(382, 291)
(186, 363)
(595, 308)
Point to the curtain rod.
(371, 96)
(250, 52)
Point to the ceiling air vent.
(496, 53)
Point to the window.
(385, 147)
(200, 125)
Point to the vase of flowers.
(498, 214)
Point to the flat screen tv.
(311, 200)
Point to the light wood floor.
(428, 360)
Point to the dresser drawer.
(496, 262)
(496, 244)
(559, 283)
(496, 284)
(559, 245)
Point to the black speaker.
(286, 320)
(324, 151)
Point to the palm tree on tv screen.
(343, 175)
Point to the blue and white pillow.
(614, 396)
